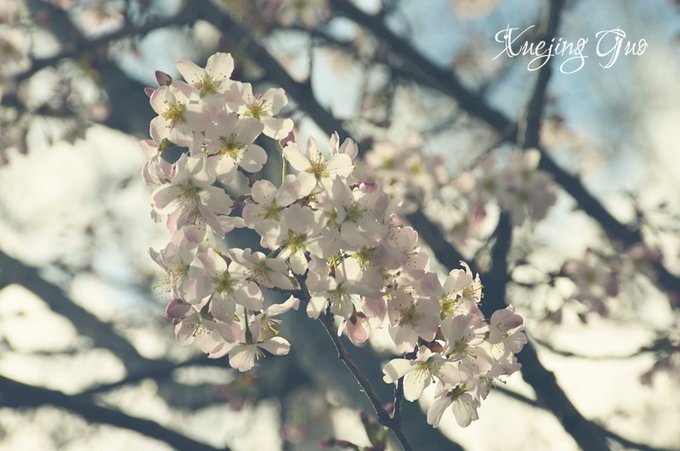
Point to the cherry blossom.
(230, 145)
(419, 373)
(461, 401)
(332, 236)
(177, 116)
(261, 107)
(260, 335)
(223, 284)
(213, 79)
(314, 167)
(190, 194)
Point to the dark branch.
(384, 417)
(584, 432)
(531, 124)
(16, 394)
(102, 334)
(448, 83)
(565, 353)
(607, 433)
(75, 48)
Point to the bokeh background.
(87, 358)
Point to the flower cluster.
(466, 353)
(519, 187)
(404, 170)
(309, 13)
(331, 237)
(460, 204)
(598, 276)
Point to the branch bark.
(560, 405)
(17, 394)
(327, 321)
(80, 45)
(448, 83)
(102, 334)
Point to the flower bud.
(162, 78)
(176, 309)
(287, 140)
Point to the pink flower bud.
(436, 347)
(358, 329)
(363, 415)
(613, 285)
(162, 78)
(176, 309)
(369, 187)
(287, 140)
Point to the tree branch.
(448, 83)
(102, 334)
(584, 432)
(326, 319)
(17, 394)
(606, 432)
(75, 48)
(531, 124)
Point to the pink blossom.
(178, 117)
(190, 194)
(314, 167)
(419, 373)
(214, 79)
(230, 144)
(262, 107)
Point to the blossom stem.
(399, 391)
(383, 416)
(284, 167)
(326, 319)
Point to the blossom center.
(208, 85)
(257, 108)
(296, 242)
(457, 392)
(409, 316)
(318, 168)
(230, 146)
(473, 291)
(448, 304)
(355, 212)
(364, 257)
(272, 211)
(174, 114)
(225, 284)
(189, 194)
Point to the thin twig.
(398, 400)
(447, 82)
(326, 319)
(76, 49)
(161, 370)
